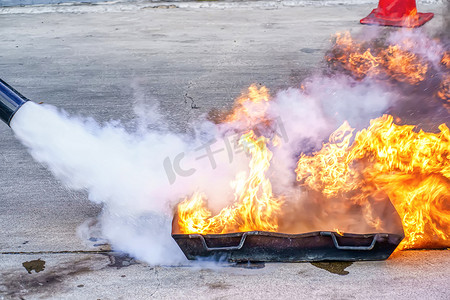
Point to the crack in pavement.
(158, 284)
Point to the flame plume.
(395, 63)
(412, 168)
(444, 89)
(353, 173)
(392, 62)
(255, 208)
(251, 107)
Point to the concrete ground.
(98, 61)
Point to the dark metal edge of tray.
(283, 247)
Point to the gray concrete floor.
(57, 2)
(94, 62)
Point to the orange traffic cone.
(401, 13)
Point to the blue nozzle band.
(10, 101)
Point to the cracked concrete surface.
(190, 60)
(406, 275)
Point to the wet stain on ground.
(249, 265)
(18, 286)
(335, 267)
(218, 286)
(309, 50)
(120, 260)
(37, 265)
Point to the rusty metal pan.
(280, 247)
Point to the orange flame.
(392, 62)
(339, 232)
(352, 172)
(446, 59)
(251, 106)
(444, 89)
(413, 168)
(255, 207)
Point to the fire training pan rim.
(286, 235)
(281, 247)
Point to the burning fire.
(446, 60)
(339, 232)
(413, 168)
(255, 208)
(444, 89)
(392, 62)
(250, 107)
(387, 62)
(410, 166)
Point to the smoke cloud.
(141, 175)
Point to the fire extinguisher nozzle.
(10, 101)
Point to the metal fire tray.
(280, 247)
